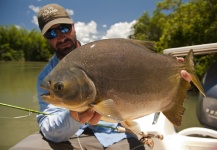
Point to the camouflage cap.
(50, 15)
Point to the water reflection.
(17, 87)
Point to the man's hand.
(89, 116)
(184, 74)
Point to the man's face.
(63, 43)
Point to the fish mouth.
(44, 96)
(48, 98)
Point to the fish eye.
(58, 86)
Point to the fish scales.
(113, 70)
(122, 80)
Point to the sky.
(93, 19)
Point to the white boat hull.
(181, 140)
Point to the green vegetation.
(187, 24)
(173, 24)
(22, 45)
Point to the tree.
(17, 44)
(186, 24)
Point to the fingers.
(75, 115)
(185, 75)
(89, 116)
(86, 116)
(180, 59)
(95, 119)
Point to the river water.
(18, 87)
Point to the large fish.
(122, 80)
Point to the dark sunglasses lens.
(64, 28)
(50, 34)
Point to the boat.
(192, 138)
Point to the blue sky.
(94, 19)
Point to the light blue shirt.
(60, 126)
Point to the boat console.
(207, 106)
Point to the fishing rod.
(25, 109)
(119, 129)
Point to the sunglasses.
(52, 33)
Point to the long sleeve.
(59, 126)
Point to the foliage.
(173, 24)
(177, 24)
(22, 45)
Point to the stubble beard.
(62, 52)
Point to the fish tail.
(191, 71)
(176, 110)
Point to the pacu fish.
(121, 79)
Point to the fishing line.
(79, 143)
(18, 117)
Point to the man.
(65, 129)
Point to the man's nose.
(60, 36)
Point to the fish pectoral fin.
(108, 108)
(176, 110)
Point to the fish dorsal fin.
(194, 78)
(107, 108)
(147, 44)
(176, 110)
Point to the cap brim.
(56, 21)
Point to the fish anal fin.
(175, 110)
(108, 109)
(132, 126)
